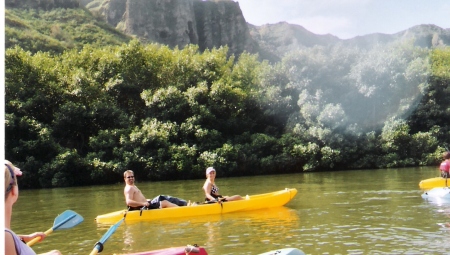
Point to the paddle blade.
(111, 231)
(99, 245)
(67, 219)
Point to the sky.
(348, 18)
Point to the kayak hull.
(430, 183)
(285, 251)
(437, 193)
(173, 251)
(254, 202)
(202, 251)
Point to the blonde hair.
(127, 172)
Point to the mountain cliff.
(174, 23)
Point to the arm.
(10, 248)
(129, 195)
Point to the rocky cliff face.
(181, 22)
(222, 23)
(169, 22)
(112, 10)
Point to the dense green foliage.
(85, 116)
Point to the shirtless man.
(136, 200)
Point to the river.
(345, 212)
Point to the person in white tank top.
(16, 244)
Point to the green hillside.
(57, 29)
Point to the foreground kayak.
(174, 251)
(201, 251)
(430, 183)
(285, 251)
(254, 202)
(437, 193)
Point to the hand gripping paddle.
(67, 219)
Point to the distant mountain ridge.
(217, 23)
(426, 35)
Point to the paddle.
(67, 219)
(446, 176)
(143, 208)
(99, 245)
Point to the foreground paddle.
(99, 245)
(67, 219)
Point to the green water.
(347, 212)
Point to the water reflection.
(268, 225)
(439, 207)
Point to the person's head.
(11, 173)
(446, 155)
(210, 171)
(128, 176)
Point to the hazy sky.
(348, 18)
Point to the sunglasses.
(129, 177)
(12, 182)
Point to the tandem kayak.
(437, 193)
(430, 183)
(254, 202)
(285, 251)
(174, 251)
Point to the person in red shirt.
(445, 166)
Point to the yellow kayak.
(254, 202)
(435, 182)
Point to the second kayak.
(435, 182)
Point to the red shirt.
(445, 166)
